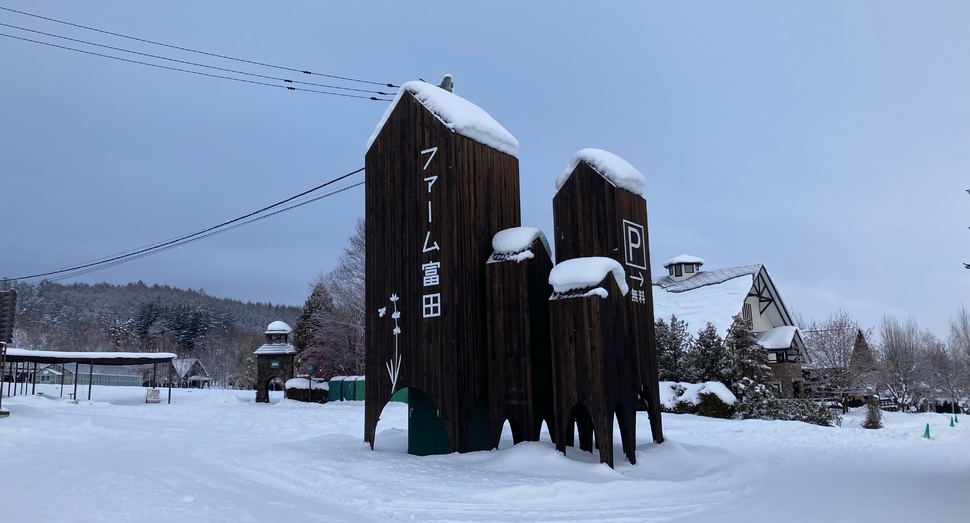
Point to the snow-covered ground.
(216, 455)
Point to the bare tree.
(947, 371)
(959, 351)
(841, 357)
(330, 332)
(346, 284)
(902, 358)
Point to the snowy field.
(216, 455)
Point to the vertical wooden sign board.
(519, 359)
(593, 217)
(434, 199)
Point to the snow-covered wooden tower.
(599, 210)
(441, 179)
(594, 361)
(519, 358)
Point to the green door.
(426, 430)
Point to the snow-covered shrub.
(769, 408)
(712, 406)
(711, 399)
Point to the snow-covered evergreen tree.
(707, 360)
(747, 363)
(674, 344)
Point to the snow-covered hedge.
(296, 389)
(756, 405)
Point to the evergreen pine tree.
(673, 360)
(662, 332)
(706, 361)
(746, 363)
(306, 331)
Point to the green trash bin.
(336, 388)
(359, 388)
(350, 388)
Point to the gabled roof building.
(716, 296)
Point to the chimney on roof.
(446, 84)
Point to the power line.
(189, 237)
(304, 71)
(113, 263)
(289, 88)
(196, 64)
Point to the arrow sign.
(638, 278)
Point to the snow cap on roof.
(278, 327)
(616, 170)
(516, 243)
(683, 258)
(583, 273)
(517, 239)
(458, 114)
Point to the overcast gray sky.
(829, 141)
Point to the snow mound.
(458, 114)
(220, 397)
(672, 393)
(583, 273)
(616, 170)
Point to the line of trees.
(736, 360)
(909, 365)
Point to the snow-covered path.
(217, 456)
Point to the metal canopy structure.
(13, 355)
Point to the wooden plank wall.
(519, 365)
(594, 365)
(592, 217)
(475, 195)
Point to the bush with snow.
(768, 407)
(711, 399)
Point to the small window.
(671, 270)
(678, 271)
(689, 268)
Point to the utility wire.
(287, 87)
(180, 243)
(304, 71)
(285, 80)
(184, 238)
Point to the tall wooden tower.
(599, 210)
(441, 179)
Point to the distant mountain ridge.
(222, 332)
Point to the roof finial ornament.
(447, 84)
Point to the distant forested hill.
(137, 317)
